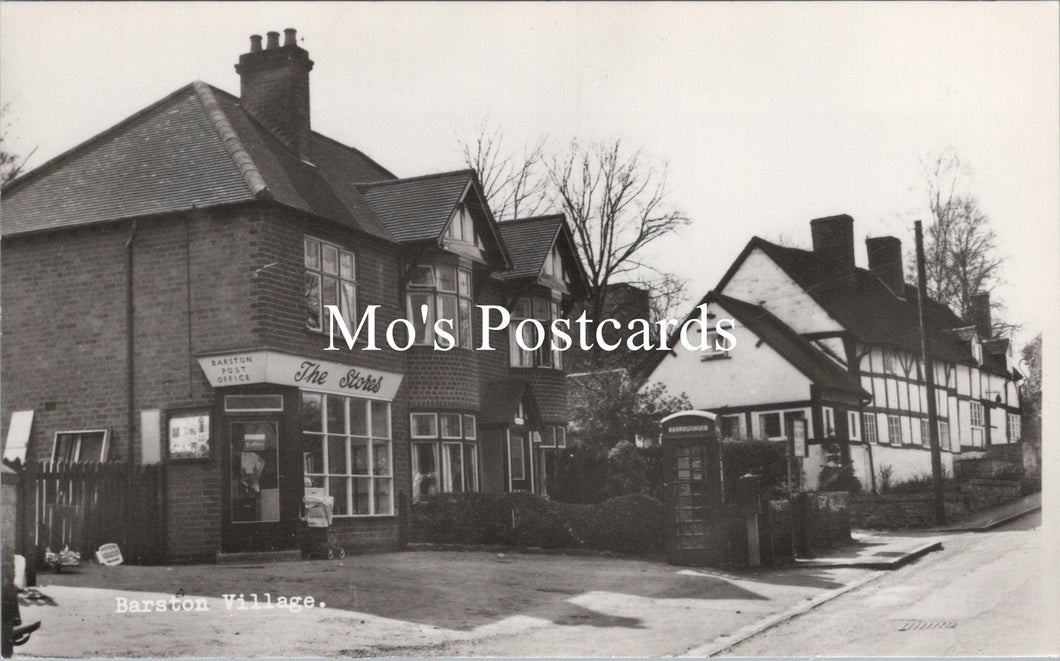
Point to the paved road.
(982, 595)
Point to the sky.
(765, 115)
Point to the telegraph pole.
(929, 374)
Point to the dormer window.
(553, 266)
(977, 351)
(462, 228)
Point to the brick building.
(827, 350)
(164, 301)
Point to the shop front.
(290, 427)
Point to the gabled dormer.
(544, 254)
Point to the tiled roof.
(528, 241)
(194, 148)
(417, 209)
(866, 307)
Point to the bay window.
(330, 279)
(543, 311)
(444, 453)
(346, 450)
(445, 291)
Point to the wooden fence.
(83, 506)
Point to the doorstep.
(258, 556)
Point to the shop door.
(260, 491)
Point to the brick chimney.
(979, 315)
(833, 239)
(274, 88)
(885, 260)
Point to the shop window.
(894, 430)
(448, 462)
(253, 403)
(869, 427)
(446, 293)
(80, 446)
(543, 311)
(330, 279)
(347, 451)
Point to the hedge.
(625, 524)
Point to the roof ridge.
(549, 216)
(421, 177)
(247, 168)
(47, 166)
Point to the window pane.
(348, 304)
(465, 283)
(471, 467)
(338, 488)
(424, 328)
(330, 262)
(422, 276)
(770, 424)
(469, 226)
(380, 420)
(465, 323)
(515, 458)
(424, 469)
(313, 454)
(424, 425)
(469, 427)
(330, 293)
(381, 458)
(361, 485)
(450, 425)
(91, 448)
(454, 467)
(521, 310)
(337, 456)
(548, 439)
(312, 411)
(383, 504)
(253, 402)
(359, 452)
(349, 266)
(336, 414)
(542, 308)
(312, 301)
(358, 417)
(446, 278)
(65, 447)
(312, 254)
(447, 310)
(561, 437)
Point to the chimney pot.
(255, 43)
(274, 40)
(289, 37)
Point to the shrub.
(580, 477)
(923, 483)
(627, 471)
(626, 524)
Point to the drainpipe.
(129, 342)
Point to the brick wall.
(550, 389)
(443, 380)
(193, 514)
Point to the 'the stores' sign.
(239, 369)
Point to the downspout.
(129, 341)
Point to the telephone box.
(692, 460)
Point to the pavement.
(875, 551)
(996, 516)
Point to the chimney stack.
(885, 261)
(274, 88)
(833, 239)
(979, 315)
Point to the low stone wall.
(917, 510)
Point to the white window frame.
(431, 294)
(80, 433)
(412, 425)
(854, 425)
(1014, 428)
(468, 448)
(944, 435)
(925, 433)
(370, 439)
(894, 422)
(252, 409)
(459, 426)
(339, 276)
(780, 422)
(828, 418)
(522, 458)
(868, 424)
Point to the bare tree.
(960, 248)
(11, 165)
(615, 200)
(515, 187)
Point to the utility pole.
(929, 374)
